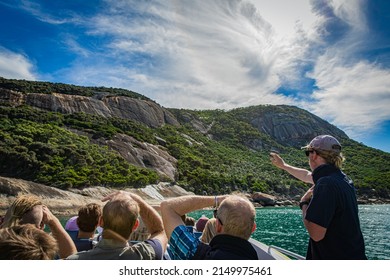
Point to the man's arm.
(174, 208)
(316, 232)
(65, 243)
(299, 173)
(152, 220)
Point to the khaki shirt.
(109, 249)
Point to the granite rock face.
(143, 154)
(68, 202)
(144, 111)
(293, 128)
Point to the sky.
(330, 57)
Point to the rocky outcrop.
(264, 199)
(67, 202)
(143, 154)
(291, 126)
(144, 111)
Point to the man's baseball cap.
(324, 143)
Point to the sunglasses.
(308, 152)
(215, 214)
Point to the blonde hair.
(331, 157)
(26, 242)
(21, 206)
(119, 217)
(210, 230)
(237, 215)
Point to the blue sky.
(331, 58)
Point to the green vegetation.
(36, 146)
(48, 88)
(228, 155)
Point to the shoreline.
(67, 202)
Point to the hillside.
(67, 136)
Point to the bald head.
(237, 215)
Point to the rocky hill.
(74, 138)
(105, 105)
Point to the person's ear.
(136, 225)
(253, 227)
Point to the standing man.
(329, 208)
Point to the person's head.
(189, 221)
(26, 209)
(201, 223)
(26, 242)
(210, 230)
(324, 149)
(88, 217)
(236, 216)
(120, 218)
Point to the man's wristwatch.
(305, 202)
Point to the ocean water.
(283, 227)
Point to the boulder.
(264, 199)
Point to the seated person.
(209, 231)
(85, 224)
(119, 220)
(235, 222)
(201, 223)
(26, 242)
(29, 209)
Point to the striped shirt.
(182, 244)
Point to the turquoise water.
(283, 227)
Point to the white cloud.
(353, 93)
(355, 97)
(198, 54)
(235, 53)
(15, 65)
(36, 10)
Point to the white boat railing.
(286, 252)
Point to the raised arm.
(65, 243)
(149, 215)
(299, 173)
(152, 220)
(174, 208)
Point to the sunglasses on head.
(308, 152)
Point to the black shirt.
(334, 207)
(226, 247)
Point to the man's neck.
(85, 235)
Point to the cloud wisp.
(353, 92)
(15, 65)
(226, 54)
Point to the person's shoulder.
(77, 256)
(157, 247)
